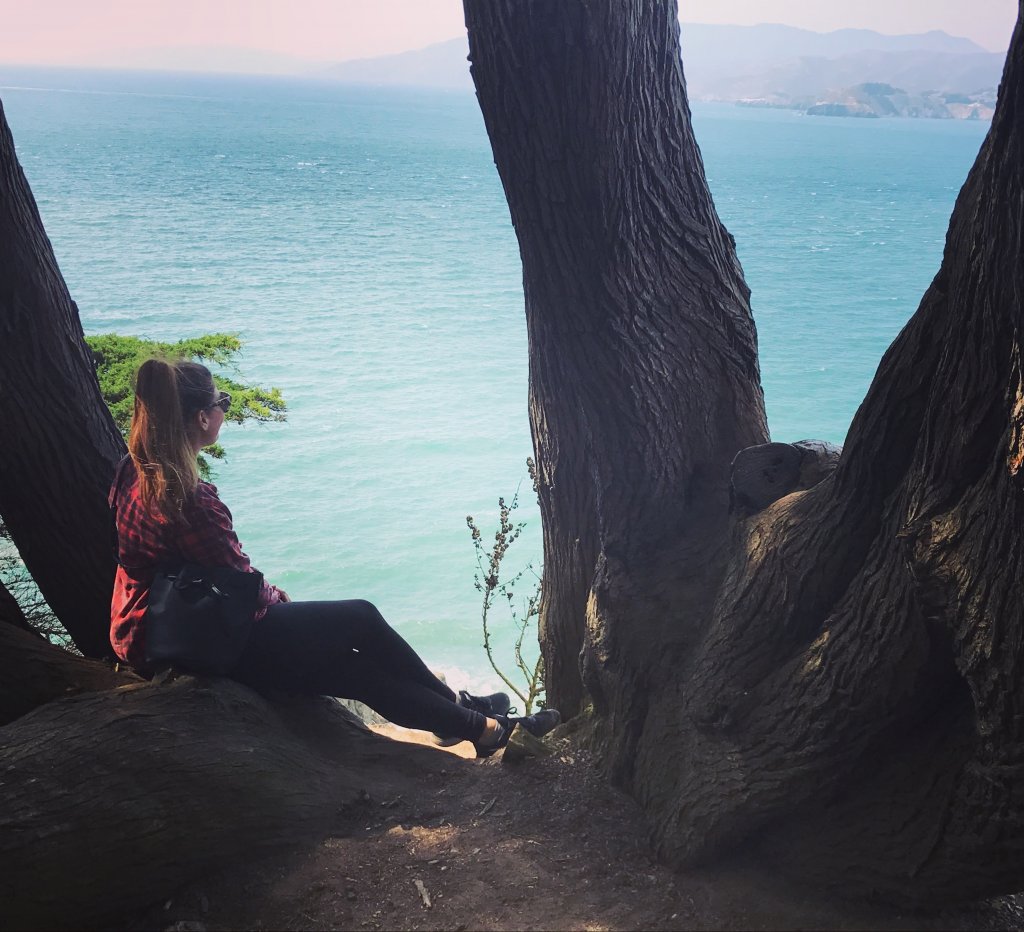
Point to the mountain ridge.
(782, 65)
(770, 64)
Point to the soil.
(543, 843)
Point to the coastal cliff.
(875, 99)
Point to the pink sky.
(98, 31)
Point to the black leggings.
(347, 649)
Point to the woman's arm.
(210, 540)
(209, 536)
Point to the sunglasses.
(223, 402)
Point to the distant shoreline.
(858, 103)
(869, 100)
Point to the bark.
(34, 672)
(837, 681)
(634, 301)
(765, 473)
(10, 611)
(112, 800)
(885, 715)
(60, 444)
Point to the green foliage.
(117, 357)
(489, 583)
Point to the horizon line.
(92, 61)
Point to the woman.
(166, 514)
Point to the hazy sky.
(70, 31)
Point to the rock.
(844, 109)
(364, 713)
(422, 890)
(877, 99)
(523, 745)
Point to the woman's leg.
(372, 636)
(365, 630)
(346, 649)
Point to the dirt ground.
(538, 844)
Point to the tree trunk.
(111, 800)
(765, 473)
(60, 444)
(638, 316)
(10, 611)
(866, 657)
(837, 681)
(34, 672)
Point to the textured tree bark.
(862, 680)
(34, 672)
(763, 474)
(837, 681)
(635, 302)
(111, 800)
(10, 611)
(60, 444)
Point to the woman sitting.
(166, 515)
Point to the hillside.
(775, 64)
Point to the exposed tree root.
(110, 799)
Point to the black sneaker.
(490, 706)
(540, 723)
(486, 750)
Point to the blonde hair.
(166, 394)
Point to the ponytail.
(165, 460)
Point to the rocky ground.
(541, 843)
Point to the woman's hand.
(282, 595)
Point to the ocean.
(358, 240)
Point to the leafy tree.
(117, 357)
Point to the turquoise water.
(359, 241)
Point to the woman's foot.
(494, 737)
(494, 704)
(499, 729)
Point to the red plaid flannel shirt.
(147, 540)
